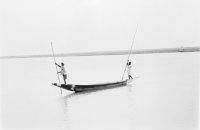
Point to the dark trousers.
(64, 78)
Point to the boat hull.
(91, 87)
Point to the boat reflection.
(77, 106)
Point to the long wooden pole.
(56, 65)
(130, 51)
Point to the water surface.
(165, 96)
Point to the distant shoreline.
(101, 53)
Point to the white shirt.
(63, 72)
(129, 69)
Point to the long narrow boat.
(91, 87)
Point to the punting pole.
(55, 65)
(130, 51)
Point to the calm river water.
(164, 97)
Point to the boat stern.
(56, 84)
(64, 86)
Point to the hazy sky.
(28, 26)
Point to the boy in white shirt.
(129, 70)
(63, 71)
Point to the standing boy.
(129, 70)
(62, 72)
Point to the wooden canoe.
(91, 87)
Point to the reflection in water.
(74, 104)
(65, 108)
(130, 99)
(65, 102)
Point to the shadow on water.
(65, 104)
(77, 94)
(68, 96)
(71, 95)
(101, 89)
(67, 100)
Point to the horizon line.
(101, 53)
